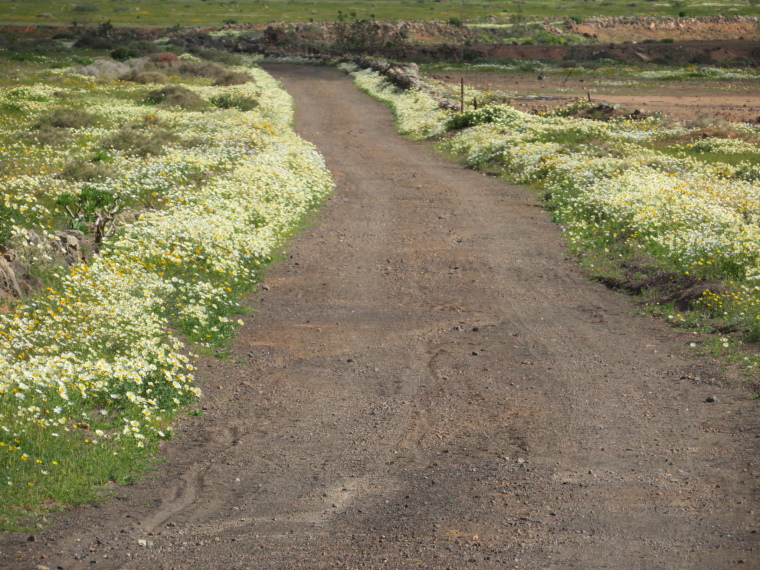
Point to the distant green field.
(215, 13)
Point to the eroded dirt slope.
(429, 383)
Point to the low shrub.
(133, 50)
(702, 59)
(203, 69)
(102, 68)
(65, 118)
(145, 77)
(139, 139)
(233, 79)
(220, 56)
(229, 101)
(93, 41)
(175, 96)
(84, 8)
(166, 58)
(47, 136)
(82, 170)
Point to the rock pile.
(68, 247)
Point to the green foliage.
(545, 38)
(175, 96)
(134, 49)
(84, 8)
(102, 156)
(53, 472)
(230, 101)
(87, 204)
(219, 56)
(92, 207)
(490, 114)
(8, 218)
(79, 441)
(748, 172)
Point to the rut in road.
(430, 383)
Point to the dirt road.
(430, 383)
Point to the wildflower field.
(180, 190)
(671, 201)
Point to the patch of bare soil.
(678, 29)
(687, 100)
(430, 383)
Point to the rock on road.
(429, 383)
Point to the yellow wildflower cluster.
(90, 357)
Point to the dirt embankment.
(710, 28)
(695, 40)
(701, 52)
(429, 383)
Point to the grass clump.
(233, 79)
(56, 476)
(83, 170)
(231, 101)
(139, 140)
(145, 77)
(134, 50)
(65, 118)
(176, 96)
(207, 69)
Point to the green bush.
(748, 173)
(83, 170)
(132, 50)
(217, 55)
(175, 96)
(228, 101)
(233, 79)
(205, 69)
(479, 117)
(84, 8)
(47, 136)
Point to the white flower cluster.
(417, 114)
(609, 180)
(97, 338)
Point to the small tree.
(92, 208)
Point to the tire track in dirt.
(428, 383)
